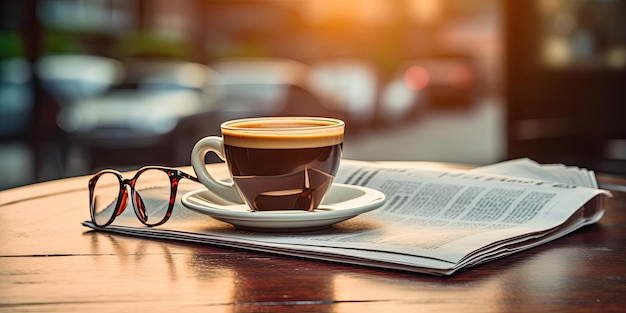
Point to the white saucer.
(342, 202)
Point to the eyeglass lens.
(105, 197)
(151, 196)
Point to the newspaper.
(435, 220)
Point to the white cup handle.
(226, 191)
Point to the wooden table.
(49, 262)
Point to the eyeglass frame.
(174, 175)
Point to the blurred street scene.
(89, 84)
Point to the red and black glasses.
(109, 194)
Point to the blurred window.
(589, 33)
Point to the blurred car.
(268, 86)
(444, 82)
(74, 77)
(347, 85)
(143, 119)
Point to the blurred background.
(88, 84)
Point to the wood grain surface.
(49, 262)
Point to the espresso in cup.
(281, 163)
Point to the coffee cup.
(276, 163)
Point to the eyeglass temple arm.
(185, 175)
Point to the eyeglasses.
(109, 194)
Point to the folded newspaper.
(435, 220)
